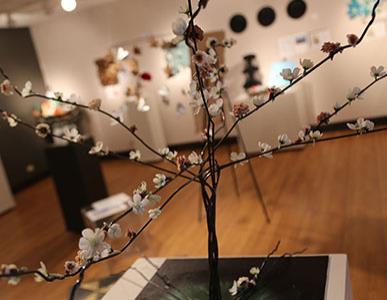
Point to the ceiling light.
(68, 5)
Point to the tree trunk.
(213, 254)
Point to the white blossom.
(92, 244)
(95, 104)
(337, 106)
(179, 26)
(234, 156)
(353, 94)
(315, 135)
(306, 64)
(168, 154)
(260, 99)
(97, 149)
(255, 271)
(42, 130)
(26, 91)
(43, 270)
(72, 135)
(58, 95)
(265, 148)
(361, 125)
(284, 140)
(11, 119)
(6, 88)
(211, 42)
(138, 204)
(290, 75)
(301, 135)
(203, 59)
(115, 231)
(11, 269)
(237, 284)
(216, 108)
(135, 155)
(152, 198)
(141, 189)
(377, 72)
(159, 180)
(154, 213)
(74, 98)
(195, 159)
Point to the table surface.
(132, 283)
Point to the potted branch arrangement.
(207, 92)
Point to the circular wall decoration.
(266, 16)
(297, 8)
(238, 23)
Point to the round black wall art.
(238, 23)
(266, 16)
(297, 8)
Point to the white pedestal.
(6, 198)
(130, 285)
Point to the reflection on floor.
(331, 198)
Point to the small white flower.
(58, 95)
(26, 91)
(97, 149)
(72, 135)
(11, 269)
(179, 27)
(135, 155)
(115, 231)
(95, 104)
(74, 98)
(216, 108)
(260, 99)
(315, 135)
(306, 64)
(377, 72)
(337, 106)
(290, 75)
(11, 119)
(234, 156)
(301, 135)
(92, 243)
(154, 213)
(137, 204)
(195, 159)
(284, 140)
(211, 42)
(43, 270)
(160, 180)
(361, 125)
(265, 148)
(203, 59)
(255, 271)
(141, 189)
(234, 289)
(168, 154)
(42, 130)
(6, 88)
(152, 198)
(353, 94)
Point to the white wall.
(67, 47)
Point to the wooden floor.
(331, 198)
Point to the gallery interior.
(193, 149)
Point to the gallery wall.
(68, 45)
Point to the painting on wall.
(177, 58)
(360, 8)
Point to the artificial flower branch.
(324, 118)
(313, 141)
(95, 105)
(332, 51)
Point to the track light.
(68, 5)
